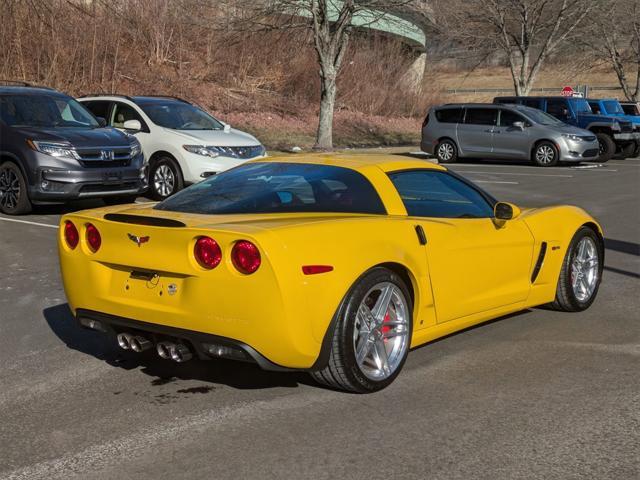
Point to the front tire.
(14, 197)
(606, 147)
(447, 151)
(545, 154)
(581, 272)
(165, 178)
(372, 335)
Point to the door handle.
(422, 237)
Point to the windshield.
(581, 106)
(49, 111)
(178, 115)
(613, 106)
(540, 117)
(279, 188)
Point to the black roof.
(23, 90)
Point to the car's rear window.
(268, 187)
(449, 115)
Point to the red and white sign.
(567, 92)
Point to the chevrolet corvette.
(333, 264)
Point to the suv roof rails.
(106, 95)
(21, 83)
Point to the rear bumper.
(197, 341)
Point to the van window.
(508, 118)
(449, 115)
(482, 116)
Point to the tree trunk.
(324, 137)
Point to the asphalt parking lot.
(539, 394)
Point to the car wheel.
(120, 200)
(627, 151)
(636, 152)
(372, 335)
(545, 154)
(606, 147)
(14, 197)
(165, 179)
(446, 151)
(581, 272)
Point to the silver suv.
(504, 132)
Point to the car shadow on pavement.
(238, 375)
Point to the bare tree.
(527, 32)
(331, 22)
(615, 39)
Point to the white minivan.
(182, 142)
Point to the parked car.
(52, 149)
(504, 131)
(613, 108)
(613, 133)
(321, 265)
(183, 143)
(631, 108)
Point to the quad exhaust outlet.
(177, 352)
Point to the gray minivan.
(504, 132)
(52, 149)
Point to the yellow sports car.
(332, 264)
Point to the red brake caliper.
(385, 328)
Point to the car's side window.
(595, 107)
(481, 116)
(558, 108)
(429, 193)
(508, 118)
(449, 115)
(122, 113)
(99, 108)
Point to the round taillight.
(207, 252)
(71, 235)
(245, 257)
(93, 238)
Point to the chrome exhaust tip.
(180, 353)
(164, 349)
(124, 341)
(139, 344)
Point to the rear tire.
(545, 154)
(581, 272)
(447, 151)
(606, 147)
(165, 178)
(14, 196)
(370, 341)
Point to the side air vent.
(140, 220)
(539, 262)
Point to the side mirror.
(101, 121)
(134, 125)
(518, 125)
(227, 128)
(505, 211)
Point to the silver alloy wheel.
(9, 188)
(545, 154)
(445, 151)
(381, 333)
(585, 269)
(164, 180)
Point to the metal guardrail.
(512, 91)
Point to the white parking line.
(28, 223)
(522, 174)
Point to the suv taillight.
(207, 252)
(71, 235)
(245, 257)
(94, 240)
